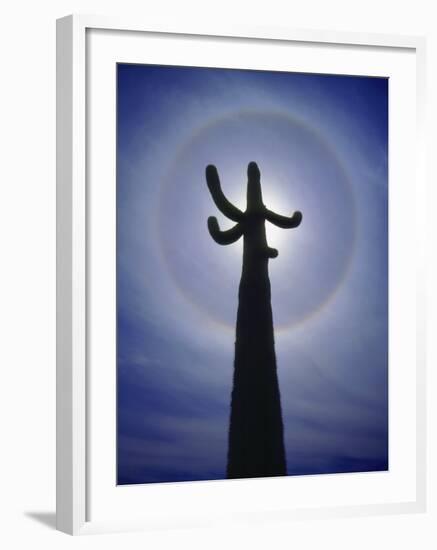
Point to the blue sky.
(321, 143)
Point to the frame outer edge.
(70, 280)
(72, 515)
(422, 279)
(250, 31)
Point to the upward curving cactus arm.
(283, 221)
(224, 237)
(222, 203)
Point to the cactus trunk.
(256, 445)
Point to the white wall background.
(27, 288)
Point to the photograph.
(251, 273)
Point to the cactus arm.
(224, 237)
(222, 203)
(272, 252)
(283, 221)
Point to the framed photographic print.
(240, 275)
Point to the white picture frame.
(75, 466)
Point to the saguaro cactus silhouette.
(256, 440)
